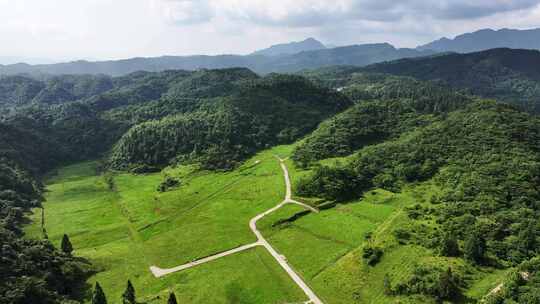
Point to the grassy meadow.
(126, 228)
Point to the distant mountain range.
(291, 57)
(309, 44)
(357, 55)
(29, 60)
(487, 39)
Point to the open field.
(126, 229)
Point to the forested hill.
(21, 90)
(225, 130)
(358, 55)
(32, 271)
(504, 74)
(386, 107)
(216, 117)
(483, 164)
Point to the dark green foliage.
(66, 245)
(521, 286)
(144, 169)
(486, 160)
(21, 90)
(18, 90)
(98, 297)
(387, 285)
(448, 285)
(475, 248)
(31, 271)
(109, 180)
(448, 245)
(527, 237)
(431, 281)
(505, 74)
(128, 297)
(330, 183)
(172, 299)
(387, 106)
(274, 110)
(168, 183)
(372, 255)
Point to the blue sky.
(112, 29)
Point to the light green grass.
(126, 230)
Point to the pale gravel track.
(261, 241)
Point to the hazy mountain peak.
(309, 44)
(485, 39)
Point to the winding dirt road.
(261, 241)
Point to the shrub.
(372, 255)
(168, 184)
(144, 169)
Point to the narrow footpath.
(261, 241)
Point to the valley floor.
(125, 229)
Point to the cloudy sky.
(112, 29)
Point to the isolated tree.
(527, 237)
(128, 297)
(448, 288)
(387, 285)
(449, 246)
(99, 296)
(66, 245)
(172, 299)
(475, 248)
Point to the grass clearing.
(125, 230)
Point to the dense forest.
(485, 159)
(32, 271)
(223, 131)
(504, 74)
(423, 122)
(44, 123)
(386, 106)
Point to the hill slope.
(262, 113)
(505, 74)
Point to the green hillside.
(483, 162)
(404, 190)
(505, 74)
(259, 114)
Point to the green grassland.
(326, 248)
(124, 230)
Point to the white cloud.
(101, 29)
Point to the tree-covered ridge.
(183, 93)
(18, 90)
(504, 74)
(261, 113)
(67, 132)
(31, 271)
(386, 106)
(486, 161)
(87, 128)
(24, 90)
